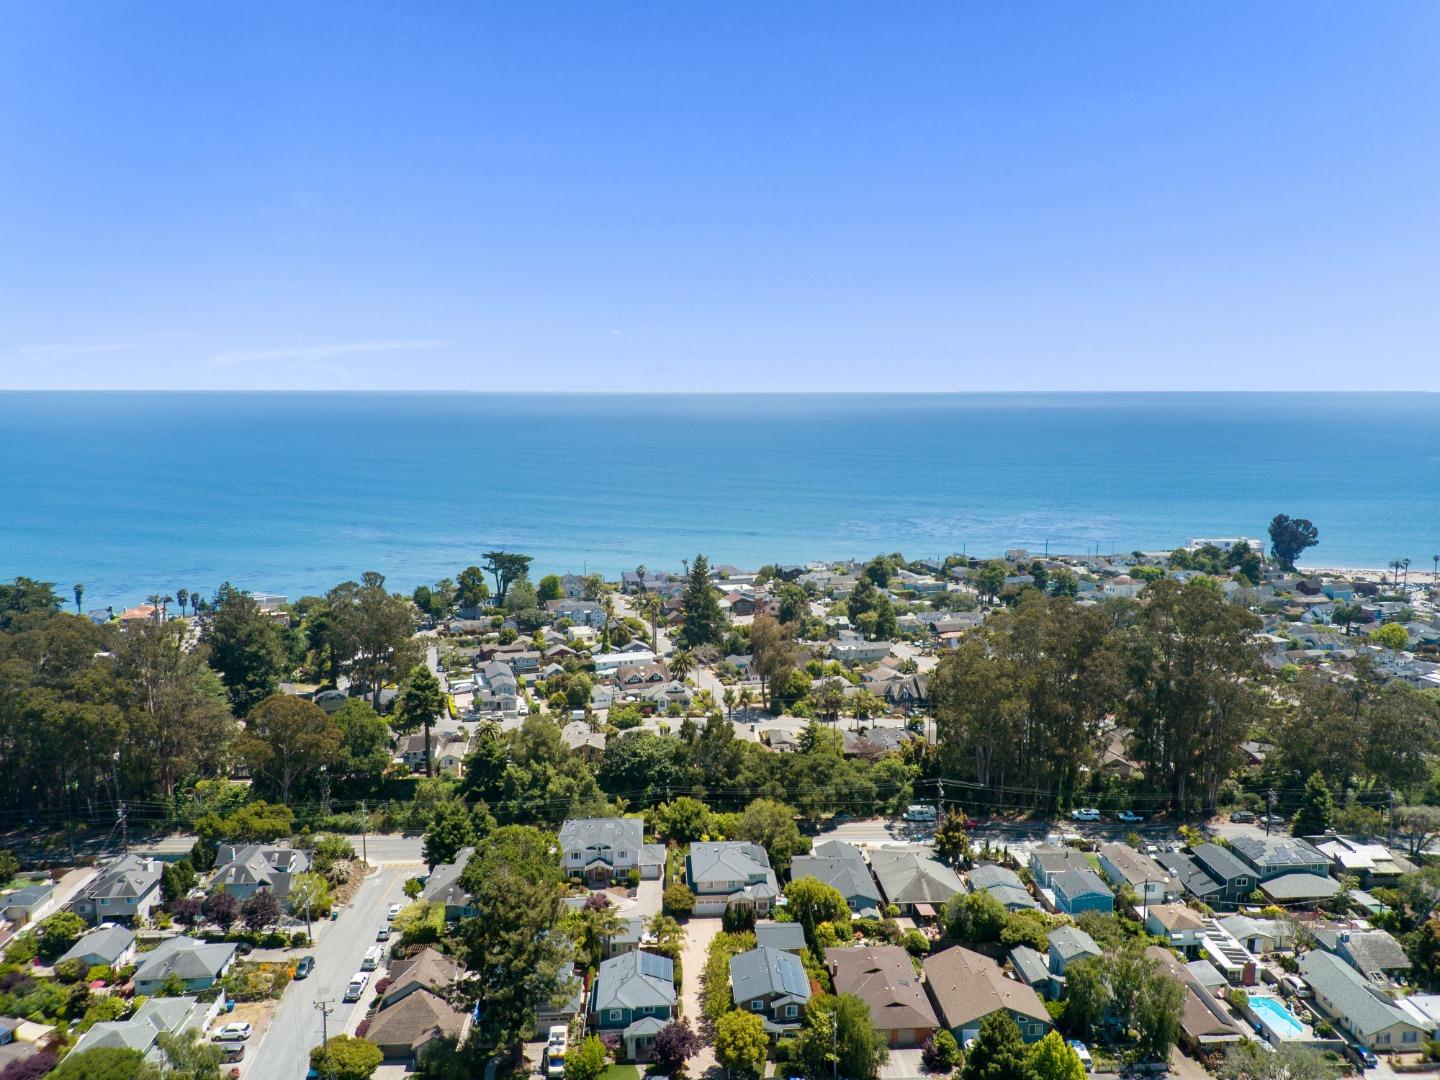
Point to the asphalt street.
(283, 1050)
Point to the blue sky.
(791, 196)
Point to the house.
(786, 936)
(913, 881)
(634, 998)
(1373, 953)
(1004, 885)
(967, 987)
(579, 737)
(1363, 857)
(1345, 995)
(730, 873)
(1068, 944)
(884, 978)
(771, 984)
(20, 906)
(1205, 1024)
(404, 1029)
(198, 965)
(842, 866)
(639, 676)
(427, 970)
(1236, 879)
(126, 889)
(579, 612)
(1271, 856)
(1182, 928)
(610, 663)
(548, 1013)
(1259, 936)
(245, 869)
(142, 1031)
(1031, 969)
(415, 1009)
(107, 945)
(856, 651)
(1047, 860)
(1081, 890)
(602, 849)
(1153, 884)
(443, 887)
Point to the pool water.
(1276, 1018)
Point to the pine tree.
(1317, 808)
(704, 621)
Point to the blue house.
(1081, 890)
(634, 998)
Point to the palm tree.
(195, 601)
(649, 609)
(831, 699)
(182, 596)
(607, 604)
(729, 698)
(1395, 566)
(156, 602)
(682, 664)
(1435, 571)
(1405, 565)
(79, 592)
(743, 699)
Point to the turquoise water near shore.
(137, 492)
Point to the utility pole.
(1270, 797)
(124, 829)
(939, 801)
(1391, 838)
(364, 821)
(325, 1008)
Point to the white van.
(357, 986)
(373, 958)
(919, 812)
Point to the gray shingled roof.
(780, 935)
(581, 834)
(1069, 942)
(765, 971)
(1220, 863)
(105, 942)
(912, 877)
(988, 875)
(1073, 883)
(634, 980)
(1361, 1008)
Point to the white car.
(233, 1032)
(1129, 816)
(394, 910)
(1085, 813)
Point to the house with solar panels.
(771, 984)
(633, 998)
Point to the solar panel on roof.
(659, 966)
(792, 976)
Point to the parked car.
(357, 986)
(237, 1031)
(1085, 813)
(304, 967)
(1129, 817)
(919, 812)
(394, 910)
(232, 1052)
(383, 934)
(1242, 817)
(1271, 819)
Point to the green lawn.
(621, 1072)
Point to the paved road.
(283, 1052)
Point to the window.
(616, 1014)
(791, 1011)
(623, 854)
(1384, 1037)
(1411, 1036)
(757, 1005)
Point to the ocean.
(134, 493)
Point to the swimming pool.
(1278, 1021)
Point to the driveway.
(700, 931)
(284, 1048)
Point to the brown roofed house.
(426, 970)
(967, 987)
(884, 978)
(403, 1029)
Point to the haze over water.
(292, 493)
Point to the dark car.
(1243, 817)
(230, 1052)
(304, 967)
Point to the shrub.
(737, 919)
(941, 1053)
(678, 901)
(916, 943)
